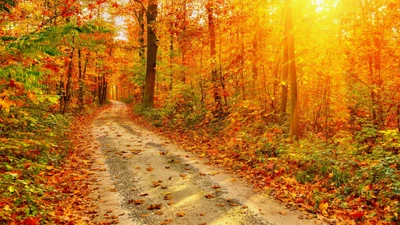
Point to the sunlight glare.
(319, 4)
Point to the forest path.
(142, 178)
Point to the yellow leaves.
(323, 207)
(31, 96)
(7, 208)
(5, 104)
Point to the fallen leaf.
(167, 197)
(170, 203)
(180, 214)
(357, 215)
(154, 206)
(216, 186)
(159, 213)
(149, 169)
(167, 221)
(323, 207)
(136, 201)
(209, 196)
(156, 183)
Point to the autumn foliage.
(225, 79)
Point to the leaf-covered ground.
(51, 186)
(346, 179)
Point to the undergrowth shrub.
(32, 139)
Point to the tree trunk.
(294, 113)
(141, 33)
(67, 97)
(285, 74)
(214, 70)
(150, 80)
(80, 80)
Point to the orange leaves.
(52, 67)
(323, 208)
(115, 5)
(180, 214)
(31, 221)
(209, 196)
(154, 206)
(167, 197)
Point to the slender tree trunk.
(150, 80)
(171, 50)
(80, 78)
(99, 89)
(141, 33)
(67, 98)
(214, 70)
(254, 67)
(140, 18)
(398, 117)
(285, 74)
(294, 113)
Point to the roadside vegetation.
(351, 177)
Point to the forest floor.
(139, 177)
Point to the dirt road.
(143, 178)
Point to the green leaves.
(7, 5)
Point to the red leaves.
(12, 83)
(115, 5)
(52, 67)
(357, 215)
(270, 166)
(31, 221)
(15, 84)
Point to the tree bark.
(150, 80)
(67, 97)
(294, 113)
(213, 52)
(285, 75)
